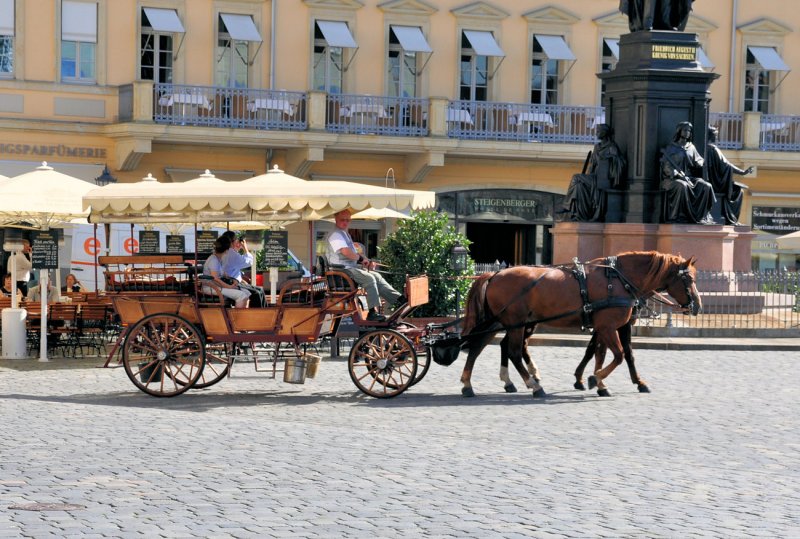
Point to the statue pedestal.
(715, 247)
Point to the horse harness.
(609, 302)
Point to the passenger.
(72, 284)
(6, 289)
(341, 252)
(213, 269)
(234, 262)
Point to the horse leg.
(611, 339)
(508, 384)
(590, 352)
(625, 337)
(533, 370)
(475, 347)
(516, 345)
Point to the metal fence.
(731, 129)
(780, 133)
(377, 115)
(214, 106)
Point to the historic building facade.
(492, 105)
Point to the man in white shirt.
(24, 265)
(341, 252)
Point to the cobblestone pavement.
(713, 451)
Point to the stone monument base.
(715, 247)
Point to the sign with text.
(44, 246)
(276, 248)
(149, 242)
(777, 221)
(176, 244)
(205, 241)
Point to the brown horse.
(597, 293)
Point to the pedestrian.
(24, 266)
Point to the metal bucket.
(146, 371)
(313, 365)
(295, 370)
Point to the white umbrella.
(789, 241)
(43, 198)
(377, 214)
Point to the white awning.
(703, 59)
(6, 17)
(612, 44)
(79, 21)
(337, 34)
(241, 27)
(769, 59)
(411, 38)
(484, 43)
(555, 48)
(164, 20)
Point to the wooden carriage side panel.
(417, 290)
(213, 320)
(261, 320)
(303, 322)
(129, 309)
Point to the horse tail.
(474, 306)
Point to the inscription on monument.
(674, 52)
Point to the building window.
(331, 38)
(608, 61)
(402, 69)
(474, 81)
(548, 51)
(78, 41)
(157, 43)
(233, 49)
(6, 38)
(756, 86)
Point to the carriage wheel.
(163, 354)
(218, 364)
(423, 363)
(382, 363)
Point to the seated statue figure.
(689, 198)
(585, 200)
(719, 172)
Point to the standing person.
(689, 197)
(24, 266)
(720, 173)
(213, 270)
(341, 252)
(235, 261)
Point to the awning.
(164, 20)
(769, 59)
(6, 17)
(79, 21)
(337, 34)
(241, 27)
(484, 43)
(411, 38)
(703, 59)
(555, 48)
(612, 44)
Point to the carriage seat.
(211, 299)
(303, 292)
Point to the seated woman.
(72, 284)
(212, 270)
(6, 288)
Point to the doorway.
(511, 243)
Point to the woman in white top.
(213, 268)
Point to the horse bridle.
(686, 277)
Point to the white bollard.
(15, 344)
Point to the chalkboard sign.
(205, 241)
(44, 246)
(276, 248)
(149, 242)
(176, 244)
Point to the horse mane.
(660, 266)
(474, 305)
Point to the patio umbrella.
(789, 241)
(377, 214)
(43, 198)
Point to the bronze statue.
(719, 172)
(689, 198)
(585, 199)
(646, 15)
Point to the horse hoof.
(579, 386)
(510, 388)
(603, 393)
(592, 382)
(467, 392)
(643, 388)
(539, 394)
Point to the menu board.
(205, 241)
(149, 242)
(176, 244)
(44, 245)
(276, 248)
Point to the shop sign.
(276, 248)
(776, 220)
(53, 150)
(498, 204)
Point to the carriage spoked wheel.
(424, 357)
(163, 354)
(217, 365)
(383, 363)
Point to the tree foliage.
(423, 245)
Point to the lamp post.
(105, 177)
(458, 263)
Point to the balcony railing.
(377, 115)
(731, 129)
(213, 106)
(780, 133)
(483, 120)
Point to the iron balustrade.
(731, 129)
(377, 115)
(780, 132)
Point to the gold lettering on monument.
(674, 52)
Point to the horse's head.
(682, 286)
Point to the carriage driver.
(341, 252)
